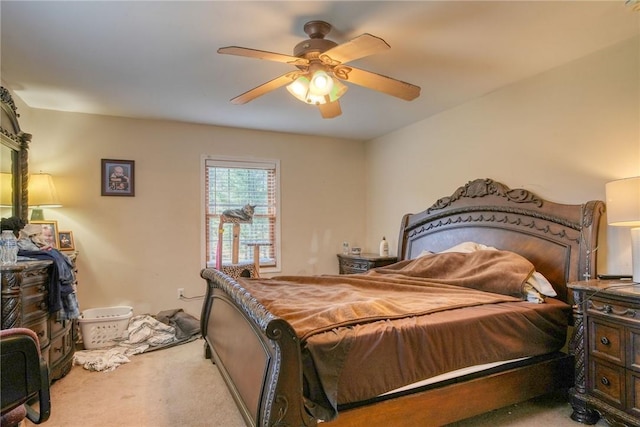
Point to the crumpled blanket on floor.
(144, 333)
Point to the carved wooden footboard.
(259, 355)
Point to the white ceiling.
(157, 59)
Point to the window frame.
(239, 162)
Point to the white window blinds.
(232, 184)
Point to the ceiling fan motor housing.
(316, 30)
(312, 45)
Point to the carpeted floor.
(179, 387)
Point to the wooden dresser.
(606, 344)
(352, 264)
(25, 293)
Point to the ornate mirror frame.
(15, 154)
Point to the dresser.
(606, 344)
(352, 264)
(25, 293)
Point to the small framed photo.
(118, 177)
(66, 241)
(49, 232)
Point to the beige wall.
(138, 250)
(562, 134)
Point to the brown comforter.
(331, 313)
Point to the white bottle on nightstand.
(384, 247)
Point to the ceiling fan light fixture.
(299, 88)
(337, 91)
(321, 83)
(302, 88)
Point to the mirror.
(14, 170)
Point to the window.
(232, 184)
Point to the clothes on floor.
(144, 333)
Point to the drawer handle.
(605, 381)
(43, 305)
(605, 341)
(57, 349)
(41, 334)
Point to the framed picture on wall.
(66, 241)
(118, 177)
(49, 232)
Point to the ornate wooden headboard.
(560, 240)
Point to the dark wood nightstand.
(606, 345)
(352, 264)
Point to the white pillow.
(468, 247)
(539, 282)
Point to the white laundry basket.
(102, 327)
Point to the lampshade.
(42, 194)
(623, 209)
(6, 186)
(623, 202)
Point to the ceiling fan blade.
(264, 88)
(263, 54)
(361, 46)
(330, 110)
(388, 85)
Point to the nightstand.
(606, 345)
(352, 264)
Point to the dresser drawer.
(607, 381)
(59, 348)
(606, 340)
(35, 288)
(34, 307)
(35, 276)
(57, 326)
(39, 325)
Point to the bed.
(463, 359)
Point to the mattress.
(386, 356)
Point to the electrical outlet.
(180, 292)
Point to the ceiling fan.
(321, 70)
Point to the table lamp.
(42, 194)
(623, 209)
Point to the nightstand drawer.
(353, 264)
(608, 382)
(633, 393)
(633, 349)
(614, 310)
(606, 340)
